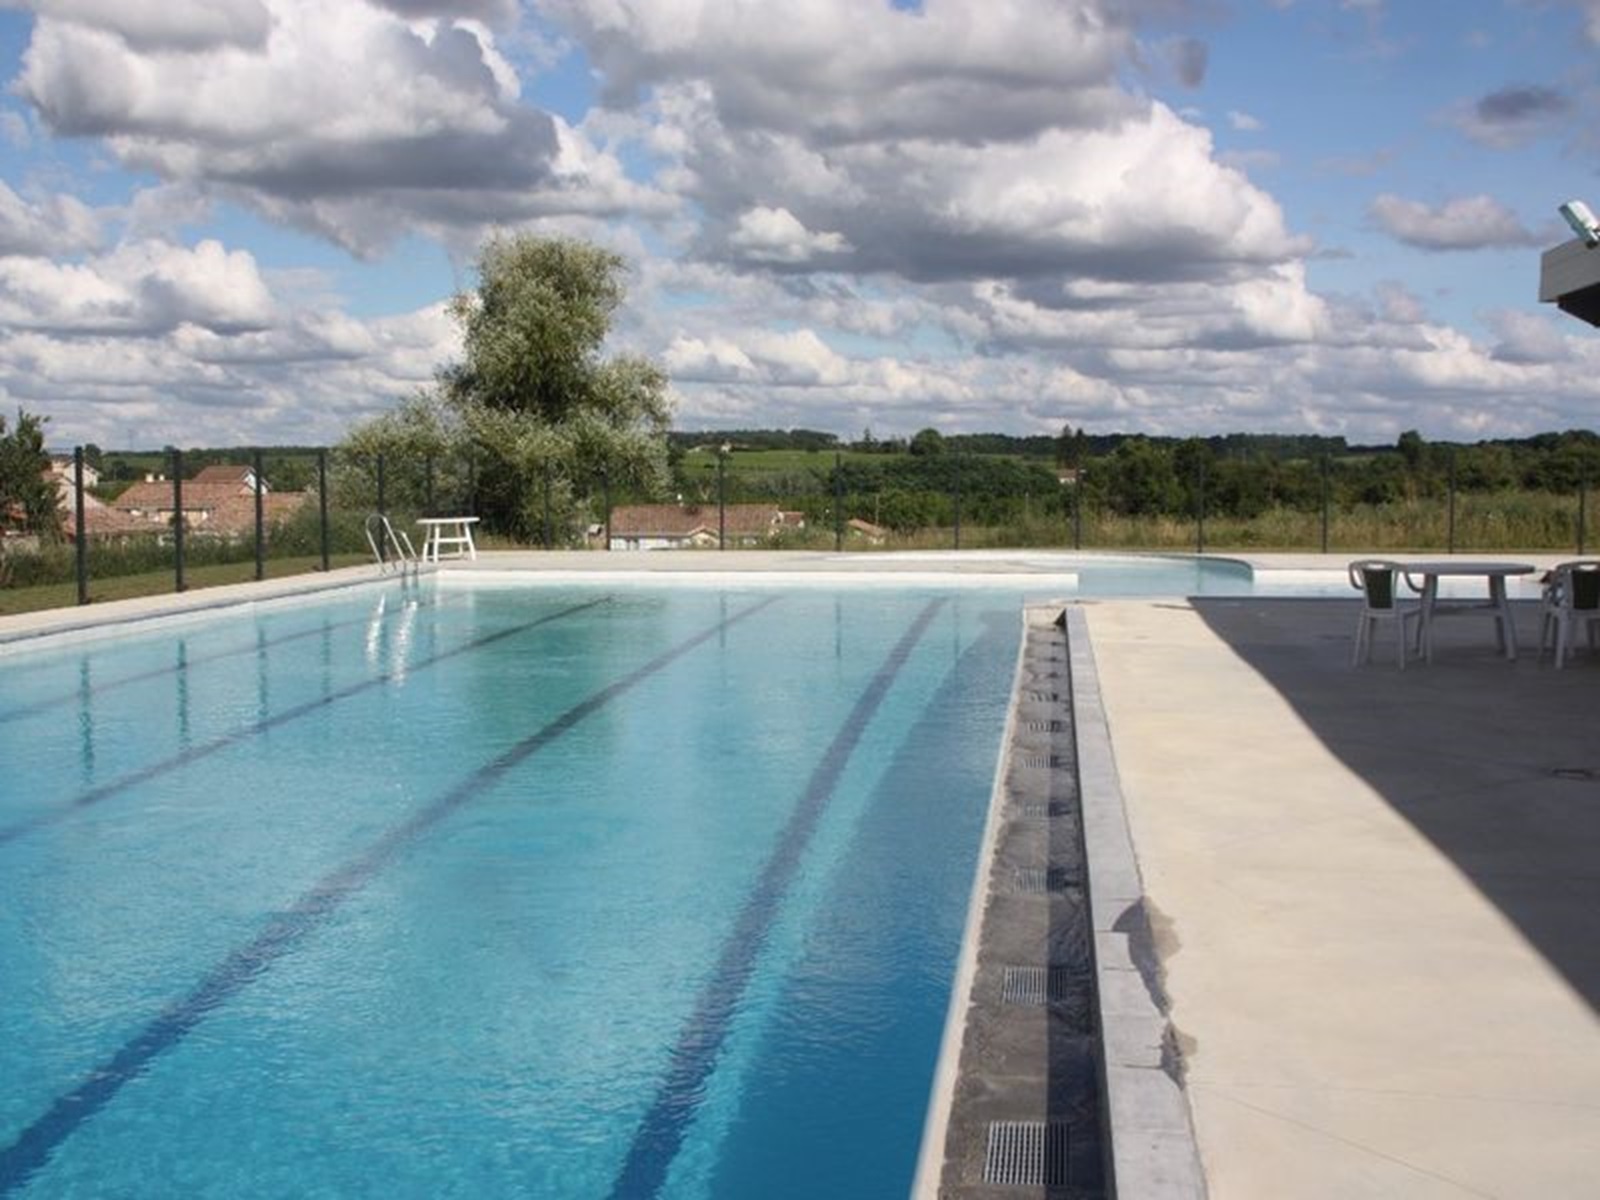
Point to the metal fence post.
(838, 501)
(605, 499)
(427, 486)
(322, 503)
(81, 541)
(177, 519)
(548, 536)
(957, 460)
(261, 526)
(1077, 509)
(1450, 519)
(382, 508)
(1200, 507)
(1325, 491)
(722, 502)
(1583, 512)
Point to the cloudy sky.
(237, 221)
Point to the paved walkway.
(1377, 897)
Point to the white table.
(1495, 573)
(454, 532)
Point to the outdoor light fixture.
(1582, 221)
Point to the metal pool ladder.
(391, 548)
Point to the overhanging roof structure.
(1569, 274)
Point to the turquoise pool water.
(492, 892)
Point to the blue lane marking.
(21, 1160)
(80, 693)
(660, 1135)
(194, 754)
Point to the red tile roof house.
(694, 526)
(99, 518)
(219, 500)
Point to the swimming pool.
(493, 891)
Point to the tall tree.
(533, 403)
(926, 443)
(1065, 446)
(27, 495)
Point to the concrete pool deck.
(1374, 896)
(1374, 893)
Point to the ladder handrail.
(387, 537)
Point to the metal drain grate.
(1043, 762)
(1039, 879)
(1027, 1153)
(1038, 810)
(1045, 726)
(1042, 697)
(1037, 986)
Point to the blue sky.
(238, 220)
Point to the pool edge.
(1147, 1135)
(1145, 1108)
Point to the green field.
(771, 462)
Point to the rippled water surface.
(492, 892)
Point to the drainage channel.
(1058, 1076)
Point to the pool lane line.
(31, 1150)
(193, 754)
(660, 1134)
(34, 707)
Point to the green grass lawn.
(15, 600)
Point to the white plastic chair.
(1378, 581)
(1571, 597)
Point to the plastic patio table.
(455, 532)
(1495, 573)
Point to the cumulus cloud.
(495, 12)
(960, 141)
(1528, 338)
(774, 235)
(1143, 200)
(55, 224)
(838, 71)
(1464, 223)
(305, 378)
(141, 287)
(158, 25)
(348, 121)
